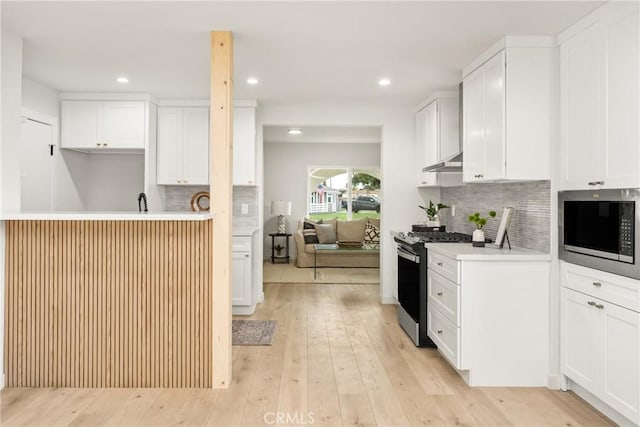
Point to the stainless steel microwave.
(599, 229)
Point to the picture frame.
(505, 221)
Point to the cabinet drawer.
(241, 244)
(448, 267)
(444, 295)
(619, 290)
(445, 334)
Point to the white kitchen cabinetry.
(507, 111)
(437, 138)
(244, 145)
(487, 312)
(599, 94)
(183, 146)
(243, 293)
(600, 336)
(103, 125)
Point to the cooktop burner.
(440, 236)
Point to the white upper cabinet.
(244, 145)
(507, 111)
(599, 95)
(183, 146)
(103, 125)
(437, 138)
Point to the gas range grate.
(440, 236)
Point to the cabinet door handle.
(597, 284)
(98, 145)
(478, 175)
(439, 294)
(439, 263)
(596, 183)
(600, 306)
(439, 331)
(246, 256)
(591, 303)
(104, 144)
(184, 181)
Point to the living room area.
(323, 204)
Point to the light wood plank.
(221, 179)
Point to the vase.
(477, 238)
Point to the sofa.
(365, 230)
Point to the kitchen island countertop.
(105, 216)
(466, 252)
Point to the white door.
(241, 278)
(244, 146)
(494, 128)
(621, 95)
(473, 126)
(621, 364)
(580, 338)
(169, 163)
(195, 142)
(422, 140)
(36, 162)
(123, 124)
(580, 59)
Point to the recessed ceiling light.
(252, 81)
(384, 82)
(122, 80)
(294, 131)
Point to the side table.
(274, 257)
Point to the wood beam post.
(221, 189)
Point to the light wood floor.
(338, 358)
(289, 273)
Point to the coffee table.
(332, 248)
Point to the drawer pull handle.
(600, 306)
(591, 303)
(439, 294)
(596, 183)
(439, 263)
(440, 331)
(597, 284)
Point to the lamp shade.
(280, 207)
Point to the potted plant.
(432, 213)
(278, 249)
(478, 234)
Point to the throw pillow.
(371, 234)
(374, 221)
(310, 236)
(351, 231)
(326, 233)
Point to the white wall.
(10, 76)
(114, 182)
(11, 110)
(397, 162)
(286, 169)
(69, 169)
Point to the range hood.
(452, 163)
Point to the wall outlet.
(244, 208)
(453, 210)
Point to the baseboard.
(241, 310)
(388, 300)
(605, 409)
(554, 382)
(261, 297)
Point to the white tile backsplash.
(531, 222)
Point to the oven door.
(409, 282)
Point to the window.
(343, 192)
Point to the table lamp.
(281, 208)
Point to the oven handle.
(403, 253)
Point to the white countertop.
(106, 216)
(466, 252)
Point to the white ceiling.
(302, 52)
(323, 134)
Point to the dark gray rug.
(253, 332)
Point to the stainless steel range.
(412, 278)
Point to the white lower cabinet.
(489, 318)
(243, 298)
(600, 340)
